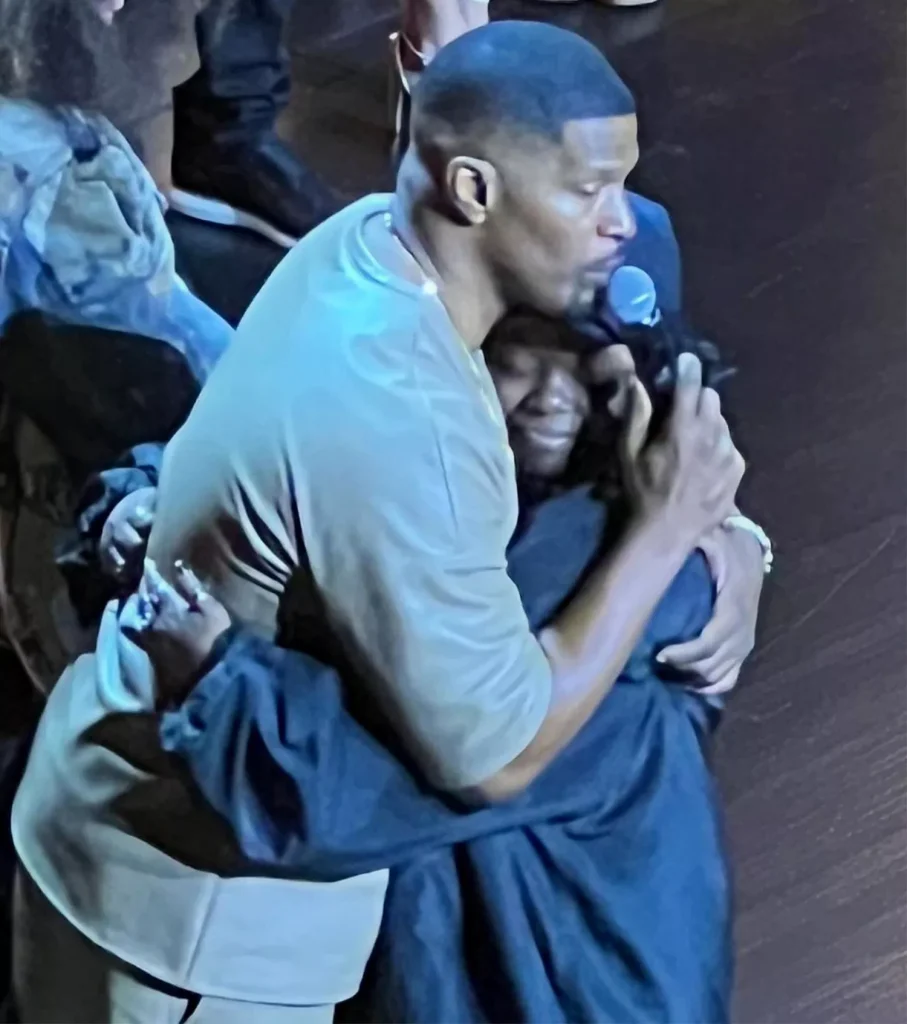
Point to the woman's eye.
(517, 363)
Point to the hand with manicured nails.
(176, 625)
(124, 537)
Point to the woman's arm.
(102, 553)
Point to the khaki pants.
(60, 977)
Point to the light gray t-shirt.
(348, 443)
(350, 431)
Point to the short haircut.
(519, 78)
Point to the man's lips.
(598, 276)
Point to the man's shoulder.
(330, 239)
(654, 248)
(328, 291)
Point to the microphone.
(631, 298)
(627, 313)
(630, 310)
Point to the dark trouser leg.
(229, 167)
(243, 82)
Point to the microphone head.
(631, 297)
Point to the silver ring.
(146, 612)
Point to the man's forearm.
(591, 641)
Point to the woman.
(91, 307)
(602, 894)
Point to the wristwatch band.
(740, 522)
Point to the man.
(346, 476)
(268, 738)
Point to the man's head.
(528, 136)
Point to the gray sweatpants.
(60, 976)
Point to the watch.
(741, 522)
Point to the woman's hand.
(177, 626)
(124, 537)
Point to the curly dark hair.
(60, 53)
(655, 352)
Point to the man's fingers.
(711, 670)
(684, 656)
(638, 418)
(710, 405)
(727, 680)
(689, 387)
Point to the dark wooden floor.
(774, 130)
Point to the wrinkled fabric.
(600, 894)
(101, 342)
(83, 238)
(78, 548)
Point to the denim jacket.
(83, 238)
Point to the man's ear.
(473, 186)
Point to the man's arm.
(738, 564)
(683, 485)
(591, 641)
(430, 613)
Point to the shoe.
(261, 186)
(605, 3)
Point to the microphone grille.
(631, 296)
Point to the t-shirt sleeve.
(410, 558)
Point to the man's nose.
(617, 219)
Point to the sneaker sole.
(215, 211)
(605, 3)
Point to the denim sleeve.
(77, 550)
(306, 789)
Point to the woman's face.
(544, 389)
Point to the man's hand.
(688, 475)
(718, 653)
(124, 537)
(177, 626)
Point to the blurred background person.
(229, 165)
